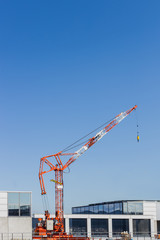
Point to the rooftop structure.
(133, 207)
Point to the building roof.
(117, 201)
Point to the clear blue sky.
(65, 68)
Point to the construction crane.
(58, 168)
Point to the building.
(139, 218)
(15, 215)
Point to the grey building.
(108, 219)
(15, 215)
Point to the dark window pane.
(13, 210)
(120, 205)
(78, 226)
(25, 211)
(158, 227)
(119, 225)
(99, 227)
(141, 227)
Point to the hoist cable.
(76, 145)
(43, 203)
(68, 148)
(137, 126)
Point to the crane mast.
(59, 167)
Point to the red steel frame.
(60, 167)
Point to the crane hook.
(137, 134)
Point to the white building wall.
(89, 227)
(150, 208)
(158, 210)
(110, 227)
(67, 225)
(3, 204)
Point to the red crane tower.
(58, 168)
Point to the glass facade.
(141, 227)
(19, 204)
(78, 226)
(119, 207)
(135, 208)
(119, 225)
(99, 227)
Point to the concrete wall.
(3, 204)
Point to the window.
(139, 208)
(101, 209)
(106, 208)
(118, 208)
(125, 208)
(91, 209)
(119, 225)
(13, 204)
(13, 210)
(141, 227)
(99, 227)
(74, 210)
(86, 210)
(131, 208)
(82, 210)
(111, 208)
(25, 204)
(78, 226)
(96, 208)
(19, 204)
(158, 227)
(25, 210)
(78, 210)
(135, 208)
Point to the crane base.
(60, 237)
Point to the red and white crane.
(60, 166)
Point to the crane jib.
(59, 167)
